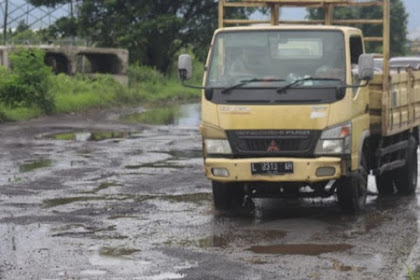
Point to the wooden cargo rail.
(327, 5)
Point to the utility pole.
(6, 8)
(73, 39)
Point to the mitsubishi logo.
(273, 147)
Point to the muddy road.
(97, 196)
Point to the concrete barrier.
(74, 59)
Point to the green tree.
(62, 28)
(23, 34)
(399, 19)
(152, 30)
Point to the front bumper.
(305, 169)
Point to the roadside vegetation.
(413, 275)
(30, 89)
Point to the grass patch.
(81, 93)
(18, 114)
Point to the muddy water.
(181, 115)
(300, 249)
(133, 203)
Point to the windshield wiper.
(245, 82)
(299, 81)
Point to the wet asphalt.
(94, 196)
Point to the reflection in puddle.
(365, 224)
(32, 165)
(81, 230)
(115, 256)
(103, 186)
(73, 227)
(185, 154)
(236, 239)
(300, 249)
(181, 115)
(92, 136)
(155, 165)
(116, 252)
(197, 198)
(72, 230)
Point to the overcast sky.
(412, 8)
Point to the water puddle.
(103, 186)
(197, 198)
(32, 165)
(155, 165)
(185, 154)
(180, 115)
(92, 135)
(300, 249)
(345, 268)
(165, 276)
(116, 252)
(49, 203)
(359, 225)
(72, 230)
(115, 256)
(235, 239)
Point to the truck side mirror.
(366, 67)
(184, 67)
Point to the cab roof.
(344, 29)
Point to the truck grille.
(273, 142)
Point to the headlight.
(335, 140)
(329, 147)
(217, 146)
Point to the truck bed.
(399, 109)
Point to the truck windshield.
(277, 58)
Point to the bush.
(140, 74)
(28, 81)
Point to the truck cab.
(280, 107)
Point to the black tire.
(227, 196)
(385, 183)
(406, 176)
(352, 190)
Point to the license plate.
(271, 168)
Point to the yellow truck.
(297, 109)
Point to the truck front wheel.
(385, 183)
(227, 196)
(352, 190)
(406, 176)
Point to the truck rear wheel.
(406, 176)
(227, 196)
(385, 183)
(352, 190)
